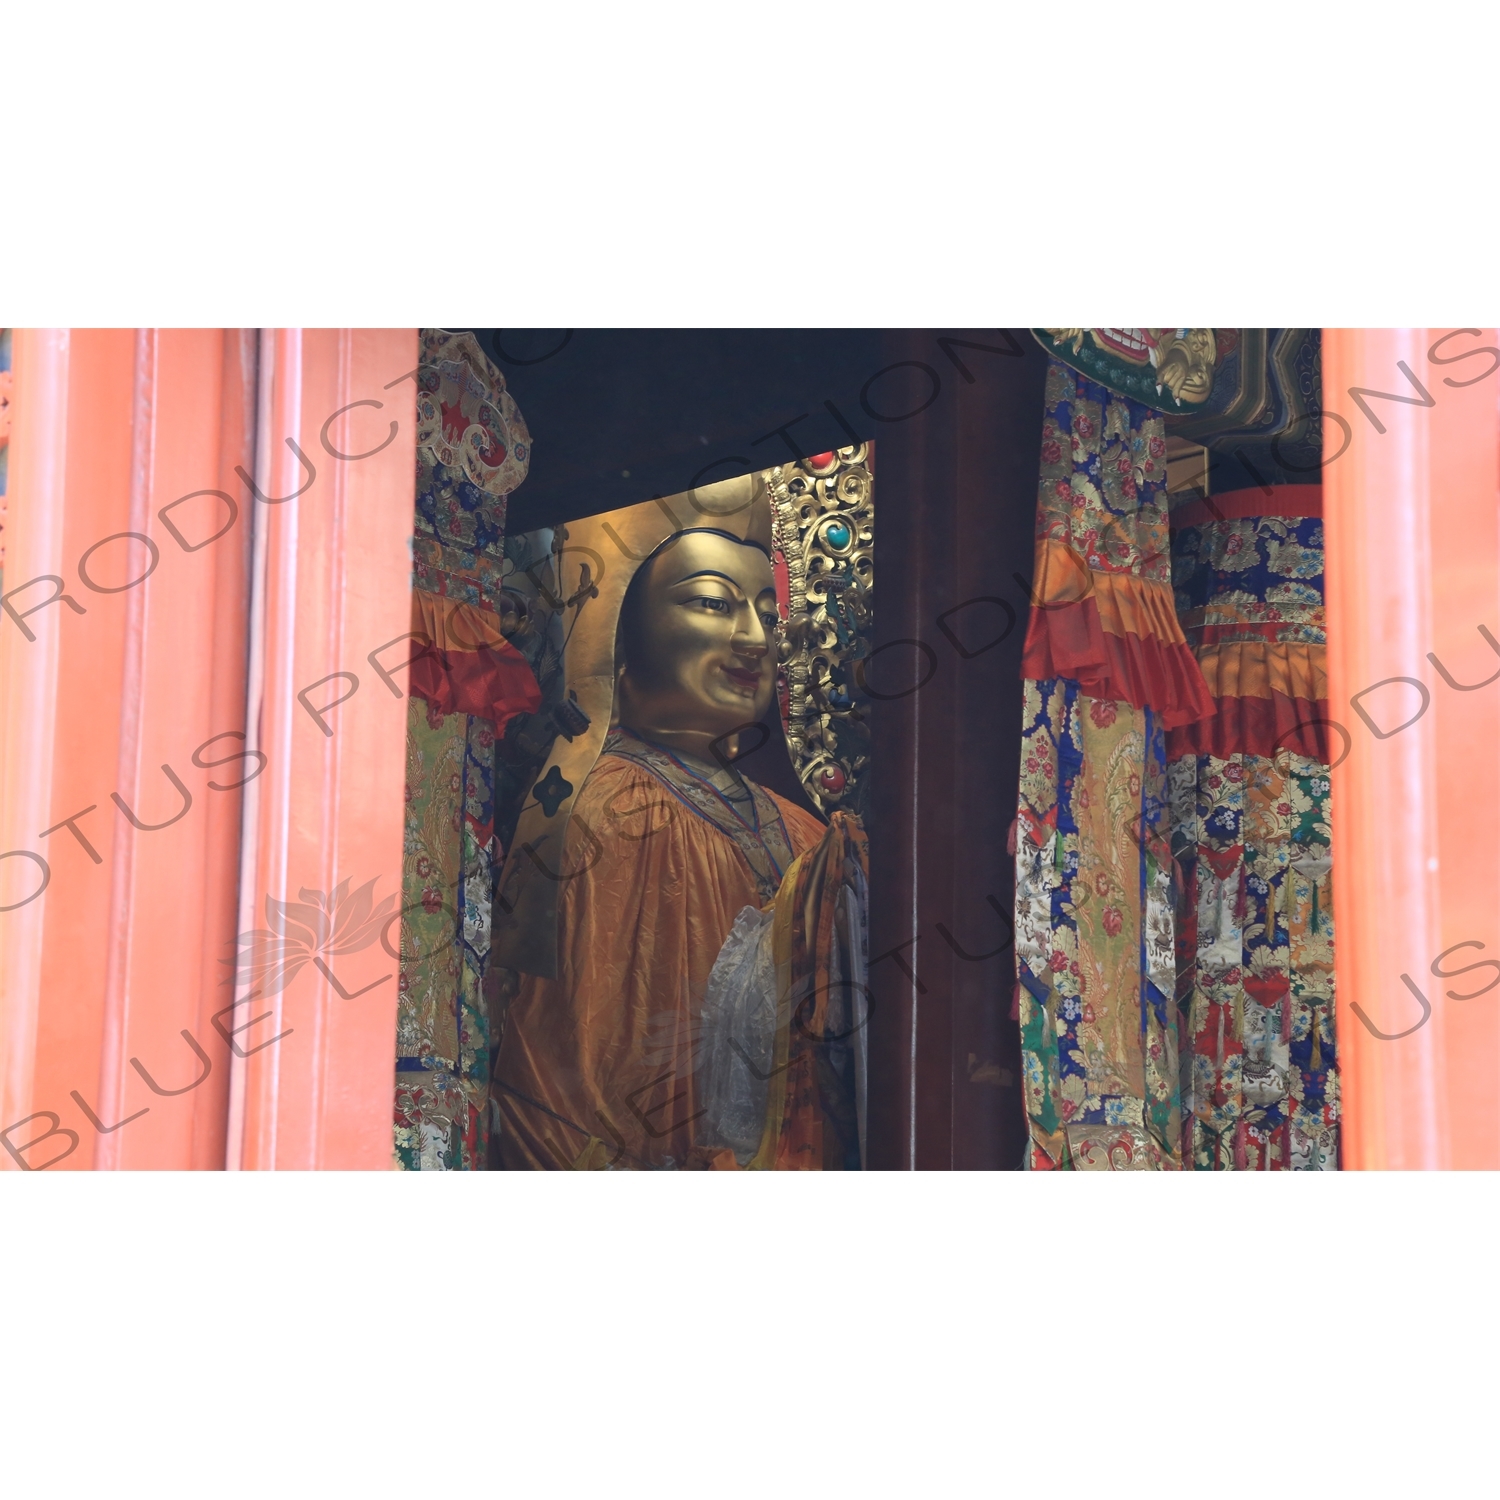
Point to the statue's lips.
(744, 677)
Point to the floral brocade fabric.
(1255, 961)
(1108, 671)
(1249, 592)
(473, 449)
(1252, 837)
(1094, 935)
(1174, 921)
(1103, 478)
(1103, 611)
(442, 1032)
(471, 578)
(1251, 578)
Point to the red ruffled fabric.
(1068, 640)
(462, 664)
(495, 683)
(1257, 726)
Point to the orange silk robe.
(596, 1067)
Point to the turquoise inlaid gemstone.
(838, 535)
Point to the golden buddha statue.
(685, 942)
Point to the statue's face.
(705, 639)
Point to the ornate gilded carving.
(825, 529)
(1168, 368)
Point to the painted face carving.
(699, 642)
(1185, 365)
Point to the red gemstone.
(832, 780)
(823, 460)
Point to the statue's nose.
(751, 638)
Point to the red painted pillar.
(162, 622)
(1412, 507)
(123, 499)
(336, 461)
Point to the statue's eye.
(770, 621)
(709, 602)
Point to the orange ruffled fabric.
(1115, 634)
(1259, 669)
(1269, 696)
(462, 664)
(1270, 690)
